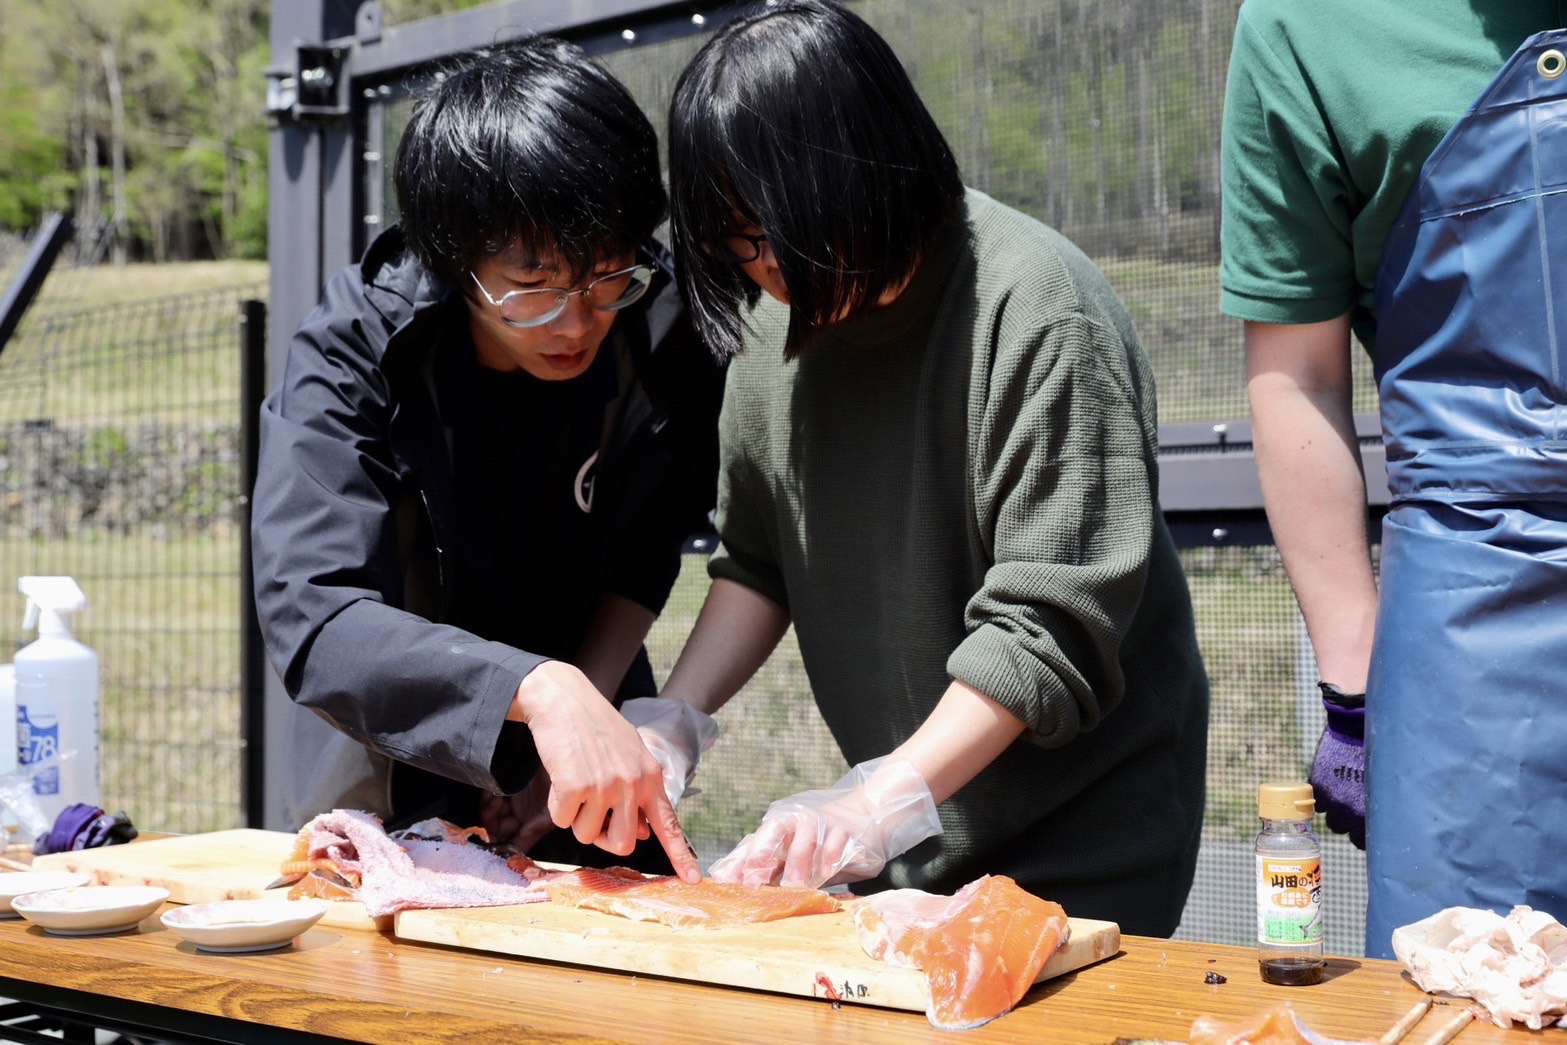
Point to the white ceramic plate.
(90, 909)
(236, 926)
(14, 885)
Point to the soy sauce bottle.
(1289, 886)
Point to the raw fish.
(1277, 1025)
(667, 899)
(347, 854)
(1514, 967)
(980, 949)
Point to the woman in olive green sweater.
(939, 463)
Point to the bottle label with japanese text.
(1289, 899)
(38, 744)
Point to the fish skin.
(348, 851)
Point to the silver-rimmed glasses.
(536, 306)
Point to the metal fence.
(120, 421)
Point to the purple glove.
(1338, 771)
(83, 826)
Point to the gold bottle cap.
(1286, 800)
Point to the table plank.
(368, 986)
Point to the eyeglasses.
(536, 306)
(738, 247)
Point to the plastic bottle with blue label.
(7, 719)
(57, 699)
(7, 741)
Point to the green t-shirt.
(1331, 110)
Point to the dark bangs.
(801, 120)
(529, 142)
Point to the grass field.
(163, 617)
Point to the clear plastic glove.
(845, 833)
(676, 734)
(1338, 770)
(17, 798)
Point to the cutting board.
(814, 955)
(204, 868)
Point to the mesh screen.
(119, 436)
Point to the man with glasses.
(489, 445)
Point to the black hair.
(527, 141)
(801, 120)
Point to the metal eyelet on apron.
(1552, 64)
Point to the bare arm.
(1308, 461)
(963, 735)
(618, 631)
(735, 633)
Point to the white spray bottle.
(57, 699)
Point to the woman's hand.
(845, 833)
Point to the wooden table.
(366, 986)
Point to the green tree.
(155, 109)
(31, 181)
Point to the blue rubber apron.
(1467, 701)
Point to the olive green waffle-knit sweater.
(963, 485)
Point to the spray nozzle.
(49, 601)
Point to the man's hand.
(845, 833)
(521, 819)
(1338, 770)
(605, 785)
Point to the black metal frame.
(51, 238)
(1208, 485)
(252, 658)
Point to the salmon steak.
(667, 899)
(980, 949)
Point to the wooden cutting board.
(203, 868)
(813, 955)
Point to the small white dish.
(21, 882)
(237, 926)
(90, 910)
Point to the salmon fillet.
(980, 948)
(667, 899)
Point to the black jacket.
(356, 524)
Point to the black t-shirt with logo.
(524, 454)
